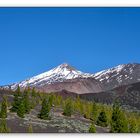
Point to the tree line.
(112, 117)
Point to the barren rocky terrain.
(57, 123)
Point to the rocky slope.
(77, 85)
(127, 95)
(59, 74)
(120, 75)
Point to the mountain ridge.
(101, 81)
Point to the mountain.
(65, 77)
(124, 74)
(58, 74)
(127, 95)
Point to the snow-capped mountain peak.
(120, 75)
(57, 74)
(108, 79)
(116, 69)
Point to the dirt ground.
(57, 124)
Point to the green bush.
(3, 127)
(92, 128)
(30, 129)
(133, 126)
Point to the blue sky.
(34, 40)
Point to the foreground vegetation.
(111, 117)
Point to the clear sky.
(34, 40)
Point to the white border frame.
(69, 3)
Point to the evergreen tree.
(68, 109)
(119, 123)
(45, 110)
(92, 128)
(33, 92)
(87, 110)
(55, 100)
(81, 108)
(59, 100)
(79, 105)
(26, 101)
(102, 119)
(3, 113)
(3, 127)
(18, 92)
(21, 109)
(36, 99)
(30, 129)
(133, 127)
(94, 112)
(16, 102)
(28, 90)
(51, 97)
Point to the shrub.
(92, 128)
(30, 129)
(133, 127)
(3, 127)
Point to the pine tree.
(3, 127)
(35, 98)
(28, 90)
(51, 97)
(94, 112)
(3, 113)
(18, 92)
(102, 119)
(21, 109)
(16, 102)
(57, 100)
(133, 127)
(87, 110)
(26, 101)
(33, 92)
(119, 123)
(68, 109)
(30, 129)
(92, 128)
(45, 110)
(79, 105)
(81, 108)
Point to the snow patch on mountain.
(116, 69)
(120, 75)
(58, 74)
